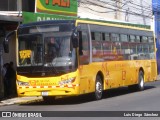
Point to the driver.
(53, 48)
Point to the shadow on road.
(86, 98)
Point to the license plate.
(44, 93)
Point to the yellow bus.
(75, 57)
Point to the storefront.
(8, 22)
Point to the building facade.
(134, 11)
(10, 18)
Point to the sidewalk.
(17, 100)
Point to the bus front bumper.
(48, 90)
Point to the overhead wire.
(114, 9)
(129, 2)
(136, 6)
(141, 9)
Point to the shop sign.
(60, 7)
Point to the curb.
(19, 100)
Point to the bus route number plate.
(44, 93)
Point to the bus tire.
(48, 99)
(98, 88)
(140, 85)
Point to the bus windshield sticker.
(25, 54)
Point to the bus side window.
(138, 39)
(124, 38)
(115, 37)
(97, 49)
(84, 47)
(144, 39)
(106, 36)
(150, 39)
(151, 47)
(132, 38)
(96, 36)
(125, 49)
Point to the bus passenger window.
(132, 38)
(150, 39)
(123, 38)
(115, 37)
(137, 38)
(144, 39)
(96, 36)
(84, 47)
(105, 36)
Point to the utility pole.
(144, 19)
(118, 9)
(127, 15)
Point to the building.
(134, 11)
(10, 18)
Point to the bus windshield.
(58, 50)
(46, 48)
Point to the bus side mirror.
(75, 36)
(6, 41)
(75, 39)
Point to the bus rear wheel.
(98, 88)
(140, 85)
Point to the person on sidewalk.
(5, 81)
(10, 78)
(14, 90)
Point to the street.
(114, 100)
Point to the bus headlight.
(22, 83)
(68, 81)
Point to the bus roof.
(47, 22)
(86, 19)
(118, 23)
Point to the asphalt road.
(113, 100)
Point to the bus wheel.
(140, 85)
(98, 88)
(48, 99)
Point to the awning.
(15, 16)
(9, 20)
